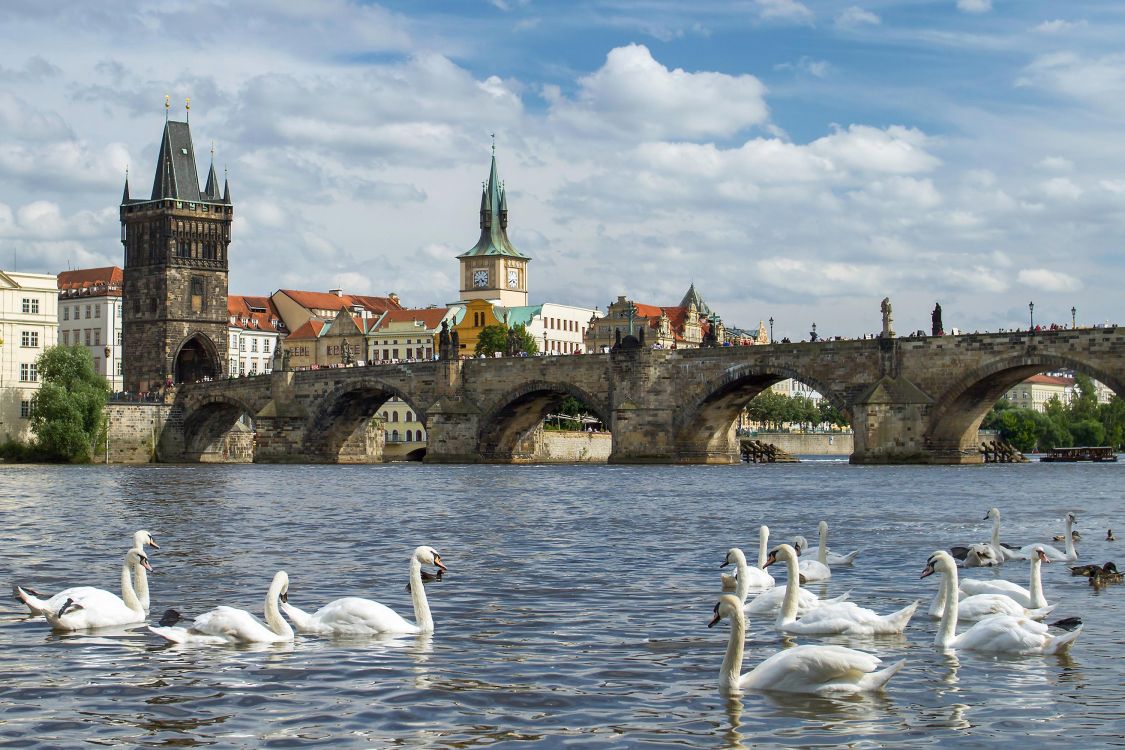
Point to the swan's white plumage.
(1032, 598)
(86, 607)
(828, 557)
(822, 670)
(1069, 555)
(353, 615)
(998, 634)
(980, 606)
(229, 625)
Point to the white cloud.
(633, 95)
(897, 149)
(1048, 281)
(816, 68)
(974, 6)
(1055, 164)
(855, 16)
(1099, 80)
(1060, 188)
(1057, 26)
(784, 10)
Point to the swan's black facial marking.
(437, 562)
(725, 562)
(143, 560)
(284, 597)
(715, 620)
(929, 569)
(771, 558)
(152, 543)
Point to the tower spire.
(125, 195)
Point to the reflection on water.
(574, 611)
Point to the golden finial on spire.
(167, 106)
(187, 108)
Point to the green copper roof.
(493, 220)
(521, 315)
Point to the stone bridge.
(909, 399)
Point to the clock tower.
(494, 270)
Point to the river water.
(574, 613)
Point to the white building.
(556, 329)
(794, 388)
(28, 325)
(89, 315)
(255, 331)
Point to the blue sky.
(799, 160)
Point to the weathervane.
(493, 143)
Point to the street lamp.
(813, 336)
(771, 329)
(544, 338)
(1031, 312)
(1072, 312)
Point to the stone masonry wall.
(134, 431)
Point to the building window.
(119, 311)
(29, 339)
(66, 338)
(197, 304)
(421, 436)
(97, 337)
(266, 346)
(29, 373)
(394, 416)
(385, 419)
(253, 345)
(25, 409)
(394, 436)
(242, 345)
(409, 417)
(97, 311)
(88, 311)
(119, 367)
(66, 312)
(30, 305)
(119, 337)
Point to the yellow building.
(475, 316)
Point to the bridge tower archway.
(957, 414)
(196, 359)
(507, 433)
(349, 427)
(221, 430)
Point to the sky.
(794, 160)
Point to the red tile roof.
(253, 313)
(1050, 380)
(430, 317)
(310, 330)
(331, 301)
(92, 281)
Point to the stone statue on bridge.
(888, 331)
(936, 328)
(455, 344)
(443, 341)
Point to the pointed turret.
(125, 194)
(211, 191)
(503, 207)
(176, 175)
(493, 219)
(226, 191)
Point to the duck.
(1106, 574)
(40, 604)
(86, 607)
(1069, 555)
(1031, 597)
(1109, 537)
(843, 618)
(1088, 570)
(231, 626)
(1074, 535)
(818, 670)
(829, 558)
(756, 577)
(353, 615)
(999, 634)
(811, 570)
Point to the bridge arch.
(219, 429)
(196, 358)
(342, 429)
(958, 412)
(502, 436)
(705, 426)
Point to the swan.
(87, 607)
(355, 616)
(228, 625)
(811, 570)
(40, 604)
(844, 618)
(1032, 598)
(1070, 555)
(769, 602)
(755, 577)
(1000, 553)
(980, 606)
(1001, 634)
(980, 556)
(833, 670)
(830, 558)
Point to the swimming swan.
(844, 618)
(228, 625)
(40, 604)
(755, 578)
(832, 670)
(1032, 599)
(980, 606)
(1070, 555)
(829, 558)
(769, 602)
(811, 570)
(1000, 634)
(355, 616)
(1000, 553)
(87, 607)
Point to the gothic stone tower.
(494, 269)
(174, 324)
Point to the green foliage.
(774, 410)
(1088, 432)
(1081, 422)
(68, 410)
(831, 415)
(495, 339)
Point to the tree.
(831, 415)
(1088, 432)
(68, 410)
(494, 339)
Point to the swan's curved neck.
(947, 628)
(763, 542)
(277, 623)
(996, 532)
(128, 593)
(822, 553)
(732, 661)
(743, 584)
(1070, 553)
(1035, 588)
(422, 617)
(140, 576)
(937, 606)
(788, 611)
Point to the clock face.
(513, 278)
(480, 278)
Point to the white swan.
(355, 616)
(833, 670)
(980, 606)
(1032, 599)
(811, 570)
(769, 602)
(87, 607)
(224, 625)
(1070, 555)
(1004, 553)
(40, 604)
(829, 558)
(1000, 634)
(981, 556)
(755, 577)
(844, 618)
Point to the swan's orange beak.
(152, 543)
(770, 560)
(1043, 556)
(437, 562)
(145, 565)
(927, 571)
